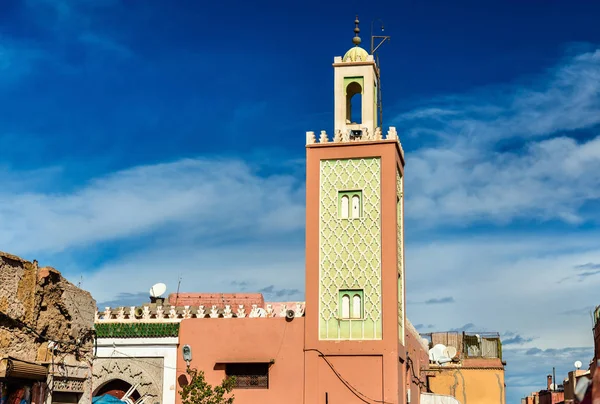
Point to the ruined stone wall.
(38, 305)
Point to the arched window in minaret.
(354, 103)
(355, 207)
(345, 208)
(356, 306)
(346, 306)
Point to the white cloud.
(212, 197)
(203, 269)
(507, 284)
(466, 177)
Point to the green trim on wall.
(399, 255)
(359, 79)
(136, 330)
(375, 110)
(350, 250)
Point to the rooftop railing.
(468, 344)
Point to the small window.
(345, 207)
(350, 204)
(249, 375)
(346, 306)
(351, 304)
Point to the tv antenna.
(177, 295)
(382, 39)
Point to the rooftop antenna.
(177, 295)
(382, 39)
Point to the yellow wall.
(470, 386)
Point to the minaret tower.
(354, 247)
(356, 80)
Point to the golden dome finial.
(356, 40)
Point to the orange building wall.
(470, 383)
(216, 340)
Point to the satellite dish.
(450, 352)
(158, 290)
(437, 352)
(577, 365)
(443, 360)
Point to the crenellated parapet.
(175, 314)
(351, 136)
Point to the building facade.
(137, 346)
(46, 335)
(475, 373)
(350, 341)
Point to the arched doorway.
(117, 388)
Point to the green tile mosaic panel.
(399, 226)
(136, 330)
(350, 250)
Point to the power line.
(353, 389)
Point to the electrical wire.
(416, 378)
(354, 390)
(145, 362)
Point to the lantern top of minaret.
(356, 53)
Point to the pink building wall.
(215, 341)
(417, 359)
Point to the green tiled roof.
(136, 330)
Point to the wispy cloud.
(271, 291)
(579, 311)
(527, 368)
(220, 198)
(465, 327)
(589, 265)
(441, 300)
(517, 340)
(516, 291)
(547, 174)
(423, 327)
(563, 98)
(126, 299)
(188, 217)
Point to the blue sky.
(144, 141)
